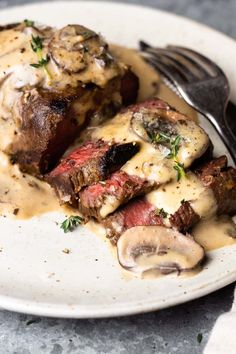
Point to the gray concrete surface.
(170, 331)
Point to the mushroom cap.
(145, 248)
(74, 47)
(149, 124)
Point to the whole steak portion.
(53, 83)
(46, 117)
(214, 175)
(91, 162)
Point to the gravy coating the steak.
(100, 200)
(52, 83)
(215, 175)
(91, 162)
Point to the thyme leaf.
(161, 137)
(161, 212)
(28, 23)
(71, 223)
(41, 63)
(179, 167)
(36, 43)
(37, 46)
(174, 144)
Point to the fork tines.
(179, 63)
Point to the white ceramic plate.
(35, 275)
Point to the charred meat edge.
(74, 172)
(214, 174)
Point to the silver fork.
(201, 83)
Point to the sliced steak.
(101, 199)
(184, 218)
(137, 212)
(91, 162)
(214, 175)
(222, 180)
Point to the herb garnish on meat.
(37, 46)
(28, 23)
(179, 167)
(174, 146)
(71, 223)
(161, 212)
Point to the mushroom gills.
(75, 47)
(146, 248)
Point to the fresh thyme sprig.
(161, 137)
(161, 212)
(174, 145)
(28, 23)
(71, 223)
(37, 46)
(36, 43)
(179, 167)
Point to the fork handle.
(219, 123)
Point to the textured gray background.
(168, 331)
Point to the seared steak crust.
(117, 190)
(222, 180)
(213, 167)
(214, 174)
(9, 26)
(184, 218)
(45, 118)
(149, 104)
(91, 162)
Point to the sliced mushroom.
(144, 248)
(149, 123)
(74, 47)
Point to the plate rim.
(33, 307)
(73, 311)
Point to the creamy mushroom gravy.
(16, 72)
(215, 232)
(150, 162)
(23, 196)
(190, 188)
(150, 84)
(17, 55)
